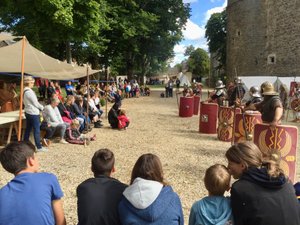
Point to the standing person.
(149, 199)
(98, 197)
(30, 197)
(238, 92)
(263, 195)
(215, 208)
(219, 94)
(271, 107)
(283, 95)
(32, 110)
(255, 96)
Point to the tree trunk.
(68, 52)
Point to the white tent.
(184, 80)
(250, 81)
(37, 63)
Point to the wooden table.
(10, 120)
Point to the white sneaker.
(63, 141)
(42, 149)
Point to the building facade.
(263, 38)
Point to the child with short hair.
(214, 209)
(73, 135)
(30, 197)
(123, 120)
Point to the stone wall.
(263, 38)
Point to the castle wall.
(263, 38)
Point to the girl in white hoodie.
(148, 199)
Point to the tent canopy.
(37, 63)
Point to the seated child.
(215, 208)
(123, 120)
(30, 197)
(73, 135)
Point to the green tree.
(198, 62)
(55, 26)
(216, 37)
(189, 50)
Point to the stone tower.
(263, 38)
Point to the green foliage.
(216, 36)
(188, 51)
(130, 36)
(198, 62)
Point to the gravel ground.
(155, 127)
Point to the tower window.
(272, 59)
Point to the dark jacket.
(258, 199)
(113, 115)
(97, 201)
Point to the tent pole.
(106, 90)
(21, 90)
(88, 95)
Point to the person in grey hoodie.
(214, 209)
(148, 199)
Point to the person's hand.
(274, 123)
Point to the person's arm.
(58, 211)
(277, 116)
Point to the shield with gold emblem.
(225, 122)
(280, 139)
(244, 125)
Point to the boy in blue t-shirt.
(214, 209)
(31, 197)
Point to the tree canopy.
(216, 37)
(131, 36)
(198, 62)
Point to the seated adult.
(69, 106)
(113, 115)
(53, 122)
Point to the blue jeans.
(33, 121)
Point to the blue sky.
(195, 26)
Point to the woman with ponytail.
(262, 195)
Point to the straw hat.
(268, 89)
(28, 79)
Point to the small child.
(215, 208)
(123, 120)
(73, 135)
(30, 197)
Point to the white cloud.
(179, 49)
(193, 31)
(215, 10)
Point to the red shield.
(244, 126)
(208, 118)
(282, 139)
(225, 125)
